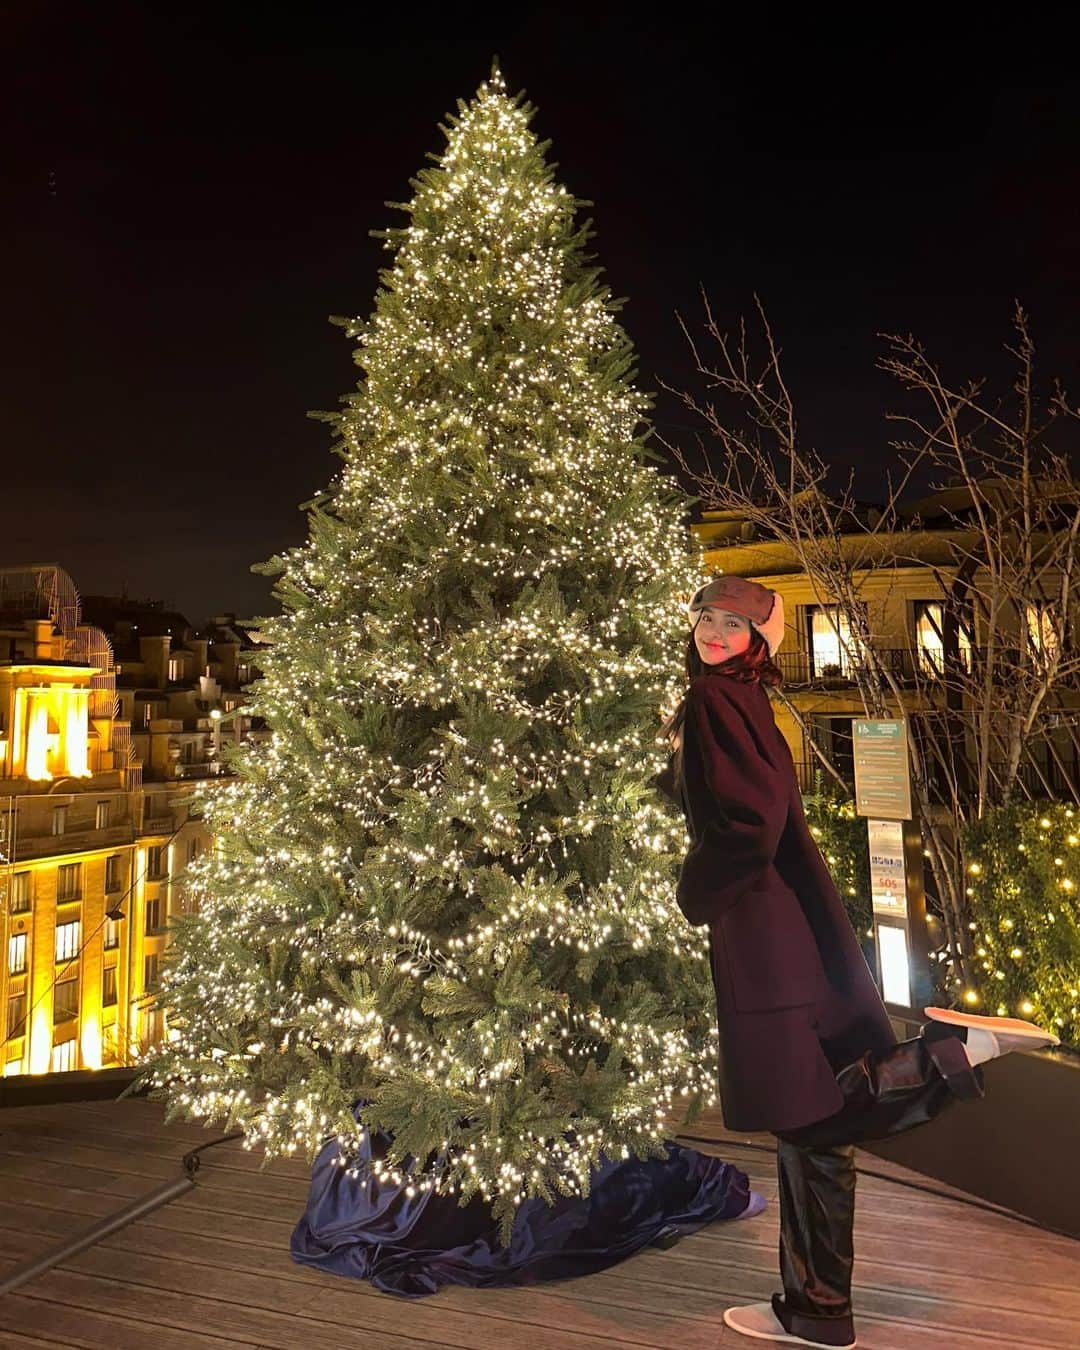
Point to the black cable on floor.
(103, 1228)
(191, 1160)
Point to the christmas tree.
(444, 889)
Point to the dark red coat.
(794, 997)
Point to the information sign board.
(882, 770)
(888, 867)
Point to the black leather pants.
(883, 1094)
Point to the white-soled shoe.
(760, 1323)
(990, 1037)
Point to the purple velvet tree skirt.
(413, 1245)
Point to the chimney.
(154, 654)
(199, 645)
(42, 635)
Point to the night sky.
(189, 190)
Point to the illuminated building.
(95, 821)
(899, 583)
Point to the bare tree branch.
(999, 548)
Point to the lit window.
(63, 1057)
(68, 881)
(150, 972)
(101, 816)
(16, 1015)
(113, 872)
(174, 668)
(66, 1000)
(930, 638)
(17, 954)
(109, 1040)
(67, 940)
(830, 636)
(59, 819)
(21, 894)
(153, 1023)
(112, 934)
(1042, 630)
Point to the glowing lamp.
(90, 1041)
(37, 743)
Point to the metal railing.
(209, 769)
(801, 669)
(29, 846)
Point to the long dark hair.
(753, 666)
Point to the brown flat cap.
(763, 608)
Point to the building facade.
(900, 586)
(181, 689)
(97, 816)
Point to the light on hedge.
(1022, 865)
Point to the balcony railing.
(801, 670)
(103, 701)
(1040, 781)
(210, 769)
(807, 771)
(71, 841)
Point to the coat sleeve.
(738, 796)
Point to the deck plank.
(90, 1205)
(119, 1130)
(386, 1320)
(212, 1268)
(153, 1168)
(59, 1323)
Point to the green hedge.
(841, 836)
(1023, 895)
(1024, 892)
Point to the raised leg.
(896, 1090)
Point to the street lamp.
(215, 751)
(219, 719)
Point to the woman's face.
(720, 635)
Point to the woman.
(806, 1047)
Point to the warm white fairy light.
(1030, 896)
(445, 884)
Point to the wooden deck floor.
(212, 1269)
